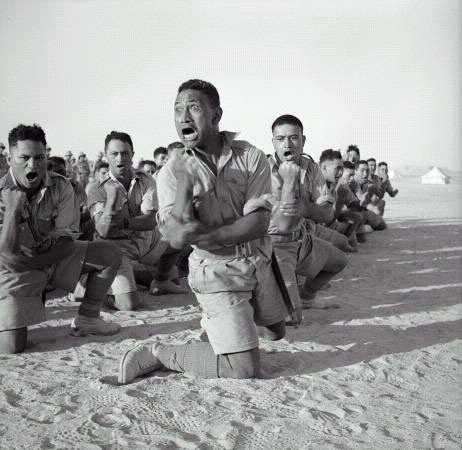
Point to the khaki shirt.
(241, 186)
(141, 198)
(311, 187)
(52, 213)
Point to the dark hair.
(362, 161)
(329, 155)
(120, 136)
(174, 145)
(203, 86)
(25, 133)
(160, 151)
(54, 161)
(353, 148)
(287, 119)
(146, 161)
(101, 164)
(349, 165)
(371, 159)
(382, 163)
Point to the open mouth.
(31, 176)
(189, 134)
(288, 155)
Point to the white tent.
(435, 176)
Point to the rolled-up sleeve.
(259, 185)
(166, 193)
(67, 220)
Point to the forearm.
(244, 229)
(287, 221)
(109, 220)
(183, 205)
(9, 233)
(318, 213)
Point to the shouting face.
(28, 162)
(196, 120)
(288, 142)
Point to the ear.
(217, 116)
(303, 140)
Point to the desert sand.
(384, 371)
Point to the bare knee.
(126, 302)
(13, 341)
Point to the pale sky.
(384, 75)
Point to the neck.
(213, 146)
(125, 179)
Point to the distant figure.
(93, 164)
(365, 191)
(70, 172)
(101, 172)
(148, 166)
(345, 220)
(83, 170)
(383, 186)
(352, 154)
(48, 150)
(160, 158)
(3, 160)
(39, 223)
(174, 148)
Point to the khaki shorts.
(21, 293)
(124, 281)
(236, 295)
(306, 256)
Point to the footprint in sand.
(12, 398)
(111, 418)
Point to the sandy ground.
(382, 372)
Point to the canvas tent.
(435, 176)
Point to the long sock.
(90, 307)
(194, 358)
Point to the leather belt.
(287, 237)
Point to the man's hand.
(185, 168)
(394, 192)
(323, 199)
(13, 199)
(179, 233)
(289, 171)
(111, 191)
(291, 208)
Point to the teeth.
(189, 135)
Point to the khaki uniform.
(145, 247)
(234, 284)
(51, 214)
(299, 252)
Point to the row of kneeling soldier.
(263, 233)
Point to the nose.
(31, 163)
(287, 143)
(184, 115)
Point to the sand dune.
(384, 371)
